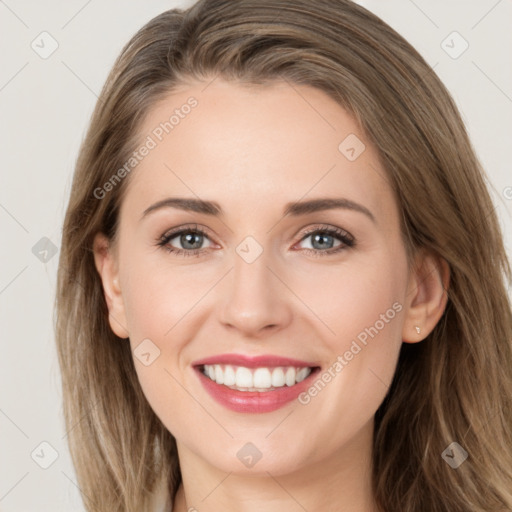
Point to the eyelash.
(347, 241)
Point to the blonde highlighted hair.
(454, 386)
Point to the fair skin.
(253, 150)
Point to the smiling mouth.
(261, 379)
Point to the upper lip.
(265, 360)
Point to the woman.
(341, 337)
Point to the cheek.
(362, 305)
(157, 295)
(158, 304)
(364, 308)
(370, 310)
(163, 313)
(357, 300)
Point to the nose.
(254, 299)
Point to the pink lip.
(253, 401)
(253, 361)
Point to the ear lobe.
(106, 265)
(427, 296)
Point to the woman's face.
(267, 290)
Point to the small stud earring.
(418, 330)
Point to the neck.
(340, 482)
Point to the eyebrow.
(294, 209)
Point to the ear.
(427, 296)
(106, 265)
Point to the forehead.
(254, 148)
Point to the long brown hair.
(455, 386)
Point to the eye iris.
(320, 236)
(185, 239)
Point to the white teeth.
(255, 379)
(302, 374)
(289, 376)
(278, 378)
(262, 378)
(229, 376)
(219, 375)
(243, 377)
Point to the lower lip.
(253, 401)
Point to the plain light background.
(45, 105)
